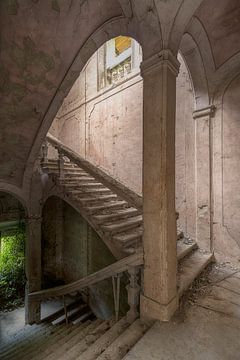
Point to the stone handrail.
(130, 196)
(125, 264)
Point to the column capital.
(207, 111)
(162, 58)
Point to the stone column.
(203, 176)
(160, 299)
(33, 268)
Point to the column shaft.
(33, 268)
(159, 300)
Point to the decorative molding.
(163, 58)
(207, 111)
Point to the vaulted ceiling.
(45, 44)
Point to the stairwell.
(115, 213)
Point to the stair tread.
(184, 248)
(116, 214)
(105, 340)
(63, 347)
(79, 348)
(125, 341)
(131, 234)
(69, 313)
(107, 205)
(115, 226)
(191, 267)
(97, 198)
(90, 191)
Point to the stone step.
(75, 351)
(77, 178)
(66, 169)
(99, 199)
(91, 191)
(185, 248)
(131, 244)
(128, 237)
(106, 206)
(54, 163)
(70, 313)
(104, 341)
(100, 219)
(190, 268)
(61, 349)
(71, 303)
(77, 185)
(49, 346)
(124, 342)
(23, 337)
(82, 317)
(117, 227)
(25, 351)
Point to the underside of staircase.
(118, 223)
(118, 220)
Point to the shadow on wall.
(71, 250)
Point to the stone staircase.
(114, 211)
(117, 222)
(87, 340)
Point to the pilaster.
(159, 299)
(33, 267)
(203, 175)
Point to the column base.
(32, 313)
(32, 310)
(152, 310)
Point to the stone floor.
(13, 321)
(208, 329)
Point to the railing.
(131, 264)
(121, 190)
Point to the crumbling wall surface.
(226, 173)
(185, 152)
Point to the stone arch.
(190, 52)
(15, 192)
(184, 15)
(114, 27)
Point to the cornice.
(163, 58)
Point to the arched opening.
(12, 252)
(12, 262)
(101, 117)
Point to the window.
(117, 59)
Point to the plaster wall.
(226, 173)
(185, 152)
(105, 126)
